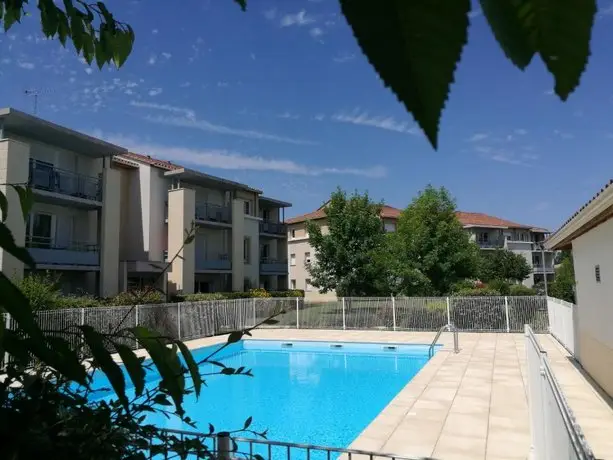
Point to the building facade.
(588, 233)
(240, 237)
(491, 233)
(301, 253)
(73, 225)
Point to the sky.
(281, 98)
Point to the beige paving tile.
(470, 425)
(460, 447)
(507, 443)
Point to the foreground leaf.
(194, 371)
(414, 46)
(7, 243)
(26, 199)
(4, 206)
(134, 367)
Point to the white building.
(589, 233)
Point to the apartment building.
(492, 233)
(240, 237)
(301, 253)
(73, 226)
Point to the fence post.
(448, 312)
(344, 321)
(82, 316)
(254, 316)
(506, 312)
(394, 312)
(224, 449)
(179, 320)
(136, 324)
(7, 326)
(297, 312)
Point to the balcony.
(539, 268)
(273, 228)
(45, 177)
(45, 251)
(208, 212)
(221, 262)
(273, 266)
(490, 244)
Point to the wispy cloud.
(563, 134)
(155, 92)
(475, 13)
(189, 113)
(228, 160)
(288, 116)
(478, 137)
(606, 11)
(542, 206)
(344, 57)
(166, 55)
(26, 65)
(316, 32)
(299, 19)
(319, 117)
(152, 59)
(358, 117)
(270, 14)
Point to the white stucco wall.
(594, 340)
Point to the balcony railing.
(209, 212)
(273, 228)
(221, 262)
(47, 251)
(269, 265)
(490, 244)
(540, 268)
(45, 177)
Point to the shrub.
(136, 297)
(484, 292)
(41, 290)
(501, 286)
(259, 293)
(461, 285)
(520, 289)
(202, 296)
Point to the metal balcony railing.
(221, 262)
(270, 265)
(45, 250)
(273, 228)
(43, 176)
(540, 268)
(490, 244)
(213, 213)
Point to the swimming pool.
(303, 392)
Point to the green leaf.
(12, 14)
(7, 243)
(248, 423)
(4, 206)
(414, 46)
(107, 364)
(242, 4)
(48, 17)
(508, 21)
(564, 30)
(235, 336)
(134, 367)
(165, 362)
(63, 29)
(26, 199)
(191, 366)
(122, 46)
(17, 305)
(77, 30)
(162, 400)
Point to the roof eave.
(195, 176)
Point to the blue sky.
(281, 98)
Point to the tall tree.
(504, 265)
(563, 286)
(346, 257)
(432, 249)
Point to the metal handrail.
(447, 327)
(220, 447)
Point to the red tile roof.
(147, 159)
(478, 219)
(387, 212)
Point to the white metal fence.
(555, 432)
(561, 322)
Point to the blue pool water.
(311, 393)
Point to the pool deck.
(470, 405)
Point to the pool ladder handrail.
(447, 327)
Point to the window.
(247, 208)
(264, 251)
(292, 259)
(597, 273)
(292, 284)
(508, 237)
(307, 257)
(483, 237)
(390, 227)
(247, 250)
(307, 285)
(41, 230)
(293, 233)
(266, 214)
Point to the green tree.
(432, 249)
(346, 256)
(413, 58)
(563, 286)
(502, 264)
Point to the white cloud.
(358, 117)
(26, 65)
(319, 117)
(154, 31)
(252, 56)
(270, 14)
(189, 113)
(166, 55)
(155, 92)
(204, 125)
(475, 13)
(5, 61)
(316, 32)
(606, 11)
(299, 19)
(185, 84)
(542, 206)
(521, 132)
(288, 116)
(478, 137)
(563, 134)
(344, 57)
(228, 160)
(89, 70)
(152, 59)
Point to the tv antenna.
(35, 93)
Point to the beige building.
(301, 253)
(240, 239)
(73, 226)
(589, 233)
(491, 233)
